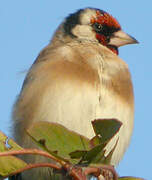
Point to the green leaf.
(129, 178)
(9, 164)
(96, 140)
(7, 144)
(70, 146)
(95, 155)
(58, 140)
(106, 128)
(77, 154)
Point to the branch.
(78, 173)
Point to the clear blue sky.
(27, 26)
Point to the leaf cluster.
(64, 146)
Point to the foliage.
(71, 150)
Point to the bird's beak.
(120, 38)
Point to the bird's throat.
(114, 49)
(103, 40)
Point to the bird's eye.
(97, 27)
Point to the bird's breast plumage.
(76, 84)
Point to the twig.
(35, 152)
(75, 172)
(31, 166)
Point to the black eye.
(97, 27)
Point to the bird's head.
(96, 25)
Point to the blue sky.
(27, 26)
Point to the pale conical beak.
(120, 38)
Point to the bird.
(76, 78)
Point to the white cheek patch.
(87, 15)
(84, 31)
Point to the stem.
(75, 172)
(31, 166)
(92, 170)
(35, 152)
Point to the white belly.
(76, 112)
(112, 107)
